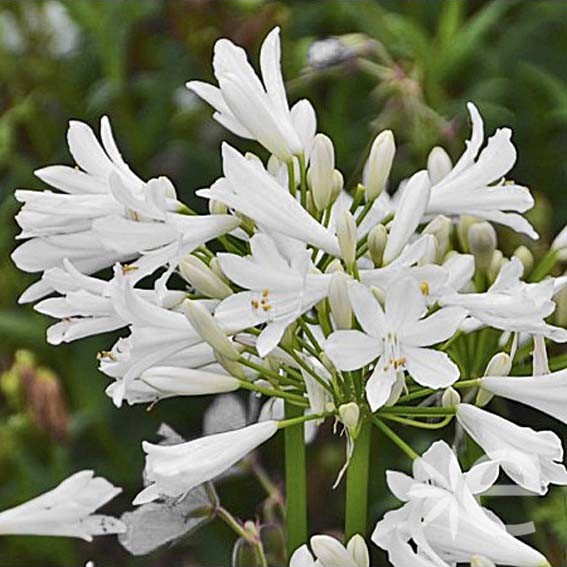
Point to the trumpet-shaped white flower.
(280, 288)
(157, 335)
(398, 337)
(173, 470)
(105, 215)
(67, 510)
(443, 519)
(547, 393)
(475, 186)
(256, 109)
(329, 552)
(511, 304)
(531, 459)
(250, 189)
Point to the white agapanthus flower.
(329, 552)
(173, 470)
(399, 337)
(257, 109)
(251, 190)
(67, 510)
(443, 519)
(104, 214)
(511, 304)
(280, 286)
(476, 186)
(532, 459)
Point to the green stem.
(546, 264)
(419, 424)
(356, 516)
(395, 438)
(295, 481)
(417, 410)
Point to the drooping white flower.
(105, 214)
(530, 458)
(329, 552)
(250, 189)
(398, 337)
(67, 510)
(511, 304)
(476, 187)
(279, 288)
(547, 393)
(256, 109)
(173, 470)
(443, 520)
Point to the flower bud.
(465, 222)
(338, 184)
(320, 175)
(339, 301)
(230, 365)
(500, 365)
(496, 264)
(560, 244)
(450, 398)
(378, 165)
(217, 208)
(438, 164)
(560, 314)
(349, 414)
(482, 242)
(377, 239)
(440, 227)
(334, 266)
(524, 254)
(208, 329)
(431, 253)
(202, 278)
(346, 233)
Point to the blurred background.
(129, 59)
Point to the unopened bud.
(288, 338)
(346, 233)
(230, 365)
(349, 414)
(524, 254)
(217, 208)
(339, 301)
(560, 314)
(338, 184)
(450, 398)
(496, 264)
(208, 329)
(500, 365)
(438, 164)
(431, 252)
(378, 165)
(202, 278)
(560, 244)
(334, 266)
(377, 239)
(440, 227)
(320, 175)
(465, 222)
(482, 242)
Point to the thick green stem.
(295, 481)
(356, 516)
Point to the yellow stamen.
(424, 287)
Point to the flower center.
(392, 355)
(263, 302)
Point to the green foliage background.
(131, 61)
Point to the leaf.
(155, 524)
(226, 413)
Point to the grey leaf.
(155, 524)
(226, 413)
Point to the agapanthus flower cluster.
(373, 306)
